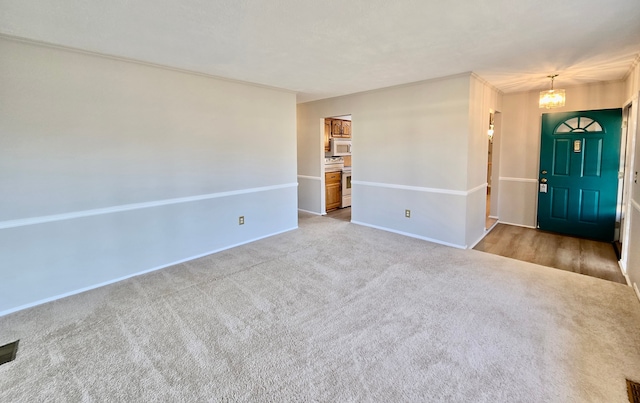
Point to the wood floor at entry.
(584, 256)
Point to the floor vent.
(634, 391)
(8, 352)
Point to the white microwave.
(339, 147)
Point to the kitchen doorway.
(337, 166)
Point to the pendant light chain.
(552, 77)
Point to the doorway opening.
(337, 166)
(491, 216)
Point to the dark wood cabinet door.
(333, 190)
(327, 134)
(346, 128)
(336, 128)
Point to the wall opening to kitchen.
(337, 166)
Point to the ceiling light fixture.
(552, 98)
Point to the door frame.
(632, 120)
(323, 199)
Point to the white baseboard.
(78, 291)
(410, 235)
(623, 267)
(486, 232)
(310, 212)
(473, 245)
(517, 225)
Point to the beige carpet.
(332, 312)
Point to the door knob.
(543, 180)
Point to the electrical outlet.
(407, 213)
(241, 220)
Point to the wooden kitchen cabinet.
(333, 196)
(336, 128)
(340, 128)
(327, 134)
(346, 128)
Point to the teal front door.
(578, 178)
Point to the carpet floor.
(332, 312)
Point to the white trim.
(430, 80)
(631, 68)
(486, 232)
(473, 245)
(487, 83)
(635, 288)
(78, 291)
(509, 179)
(134, 206)
(310, 212)
(517, 225)
(420, 188)
(623, 269)
(410, 235)
(136, 61)
(315, 178)
(479, 187)
(635, 205)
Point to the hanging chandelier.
(552, 98)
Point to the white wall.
(110, 168)
(310, 159)
(483, 100)
(520, 144)
(411, 151)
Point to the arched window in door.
(580, 124)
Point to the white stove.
(333, 164)
(346, 187)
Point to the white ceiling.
(325, 48)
